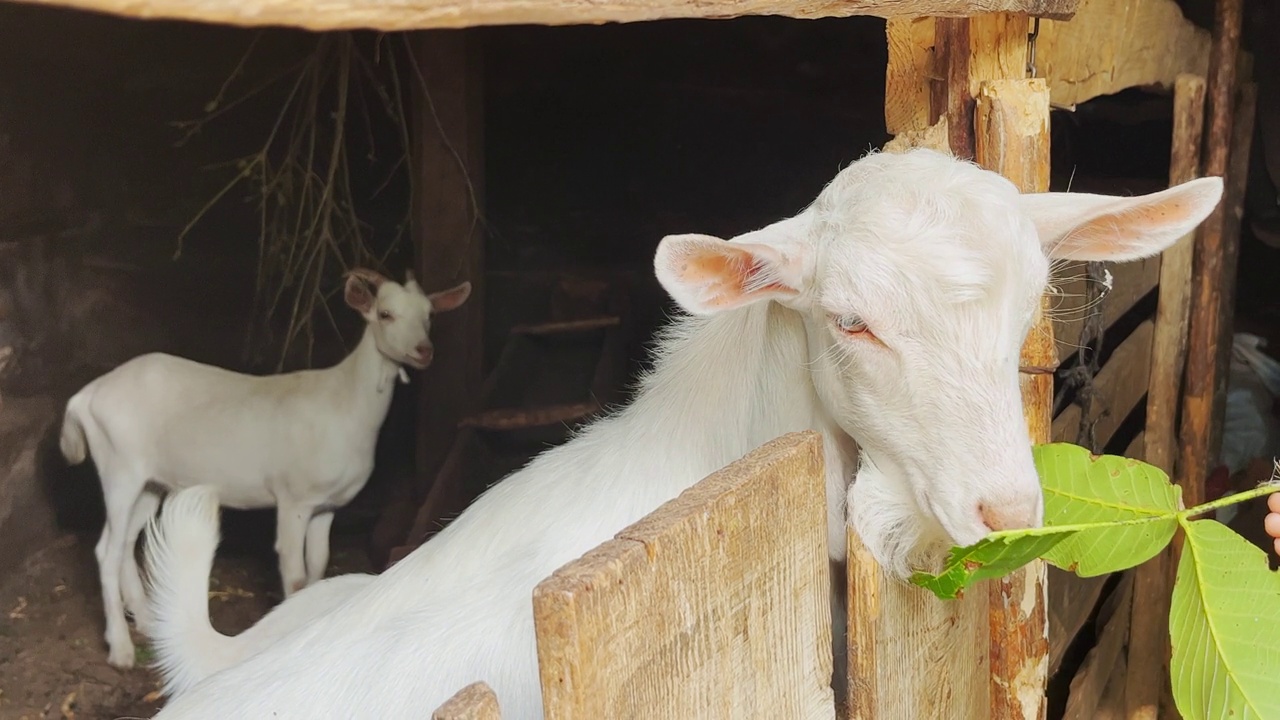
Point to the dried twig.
(300, 180)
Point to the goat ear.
(706, 275)
(358, 295)
(1081, 226)
(450, 299)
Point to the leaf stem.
(1264, 489)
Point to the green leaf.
(1224, 624)
(1080, 488)
(996, 555)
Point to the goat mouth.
(416, 363)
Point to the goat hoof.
(121, 657)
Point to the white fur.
(943, 262)
(179, 554)
(302, 442)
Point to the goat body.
(890, 312)
(302, 442)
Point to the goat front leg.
(291, 535)
(318, 545)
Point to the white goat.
(302, 442)
(891, 310)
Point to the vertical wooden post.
(1012, 138)
(1198, 435)
(1149, 619)
(448, 183)
(985, 655)
(449, 189)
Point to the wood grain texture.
(1012, 138)
(1090, 681)
(397, 15)
(912, 655)
(473, 702)
(1071, 603)
(716, 605)
(1148, 628)
(1109, 46)
(1208, 265)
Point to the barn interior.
(150, 186)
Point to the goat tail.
(73, 444)
(179, 550)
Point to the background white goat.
(891, 310)
(302, 442)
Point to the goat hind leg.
(291, 536)
(135, 596)
(317, 553)
(110, 550)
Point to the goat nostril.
(1011, 517)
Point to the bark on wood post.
(1199, 447)
(1149, 620)
(448, 184)
(1012, 138)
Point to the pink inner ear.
(730, 275)
(358, 296)
(1119, 231)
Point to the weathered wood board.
(398, 15)
(716, 605)
(473, 702)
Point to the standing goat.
(301, 442)
(890, 311)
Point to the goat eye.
(384, 315)
(850, 324)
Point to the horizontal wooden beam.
(395, 15)
(1110, 46)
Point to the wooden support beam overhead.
(1104, 48)
(398, 15)
(1109, 46)
(1012, 138)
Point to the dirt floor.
(53, 660)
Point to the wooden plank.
(449, 192)
(1090, 682)
(1109, 46)
(715, 605)
(1130, 282)
(398, 15)
(1208, 266)
(447, 162)
(908, 75)
(1148, 630)
(899, 631)
(1118, 388)
(1012, 138)
(473, 702)
(936, 66)
(1071, 602)
(967, 53)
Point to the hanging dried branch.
(300, 179)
